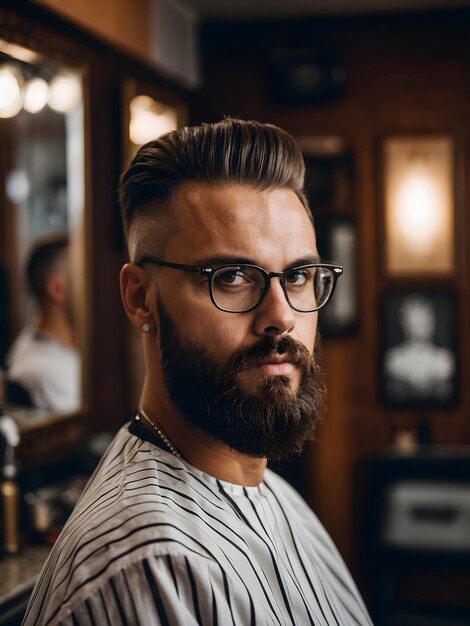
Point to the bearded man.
(182, 523)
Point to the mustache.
(271, 346)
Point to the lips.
(272, 355)
(276, 365)
(275, 359)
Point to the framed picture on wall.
(299, 77)
(329, 186)
(329, 174)
(418, 357)
(418, 172)
(337, 243)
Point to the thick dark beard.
(274, 422)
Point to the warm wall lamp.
(149, 119)
(418, 191)
(148, 112)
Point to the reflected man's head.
(417, 318)
(48, 270)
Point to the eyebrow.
(221, 259)
(305, 260)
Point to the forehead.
(239, 220)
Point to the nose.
(274, 316)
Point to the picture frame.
(418, 198)
(329, 174)
(418, 350)
(302, 77)
(329, 187)
(337, 243)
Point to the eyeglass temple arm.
(338, 270)
(176, 266)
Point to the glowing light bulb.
(149, 120)
(419, 205)
(11, 91)
(420, 212)
(64, 92)
(36, 95)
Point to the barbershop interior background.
(378, 96)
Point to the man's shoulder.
(36, 354)
(139, 496)
(137, 505)
(21, 343)
(65, 585)
(133, 473)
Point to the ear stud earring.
(146, 327)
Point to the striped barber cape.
(154, 541)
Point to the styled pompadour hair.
(231, 151)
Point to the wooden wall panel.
(404, 73)
(125, 24)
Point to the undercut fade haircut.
(43, 259)
(231, 151)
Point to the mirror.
(42, 199)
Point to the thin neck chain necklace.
(159, 431)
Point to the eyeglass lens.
(240, 288)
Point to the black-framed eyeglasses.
(241, 287)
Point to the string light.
(36, 95)
(64, 92)
(11, 91)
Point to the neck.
(200, 449)
(54, 322)
(421, 341)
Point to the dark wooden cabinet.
(415, 536)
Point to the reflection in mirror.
(41, 232)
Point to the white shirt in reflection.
(48, 370)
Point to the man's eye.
(235, 277)
(298, 278)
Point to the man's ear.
(134, 285)
(55, 288)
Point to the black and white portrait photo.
(418, 358)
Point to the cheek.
(222, 334)
(307, 331)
